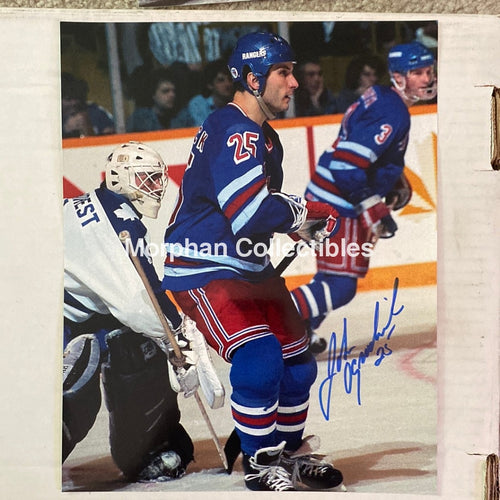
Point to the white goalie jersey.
(99, 276)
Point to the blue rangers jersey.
(99, 276)
(228, 204)
(367, 157)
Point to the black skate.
(163, 467)
(262, 472)
(317, 344)
(311, 472)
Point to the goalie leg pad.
(81, 391)
(143, 411)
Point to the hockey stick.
(179, 358)
(288, 258)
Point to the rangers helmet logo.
(254, 55)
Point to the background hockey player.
(362, 176)
(103, 292)
(230, 199)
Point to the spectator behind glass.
(218, 92)
(361, 73)
(312, 98)
(81, 118)
(162, 111)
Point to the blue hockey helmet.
(408, 56)
(258, 51)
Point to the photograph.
(250, 236)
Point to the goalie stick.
(179, 358)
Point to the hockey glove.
(374, 215)
(399, 196)
(183, 378)
(319, 223)
(313, 221)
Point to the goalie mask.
(405, 58)
(256, 53)
(138, 172)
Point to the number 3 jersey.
(368, 155)
(226, 212)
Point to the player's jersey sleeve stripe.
(342, 166)
(249, 211)
(243, 198)
(329, 197)
(324, 173)
(354, 154)
(322, 182)
(352, 158)
(236, 185)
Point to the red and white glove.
(320, 221)
(375, 215)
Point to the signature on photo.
(340, 360)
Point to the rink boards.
(411, 255)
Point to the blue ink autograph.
(338, 361)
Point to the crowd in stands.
(81, 117)
(165, 106)
(181, 83)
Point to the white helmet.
(138, 172)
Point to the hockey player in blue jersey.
(229, 205)
(362, 176)
(103, 294)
